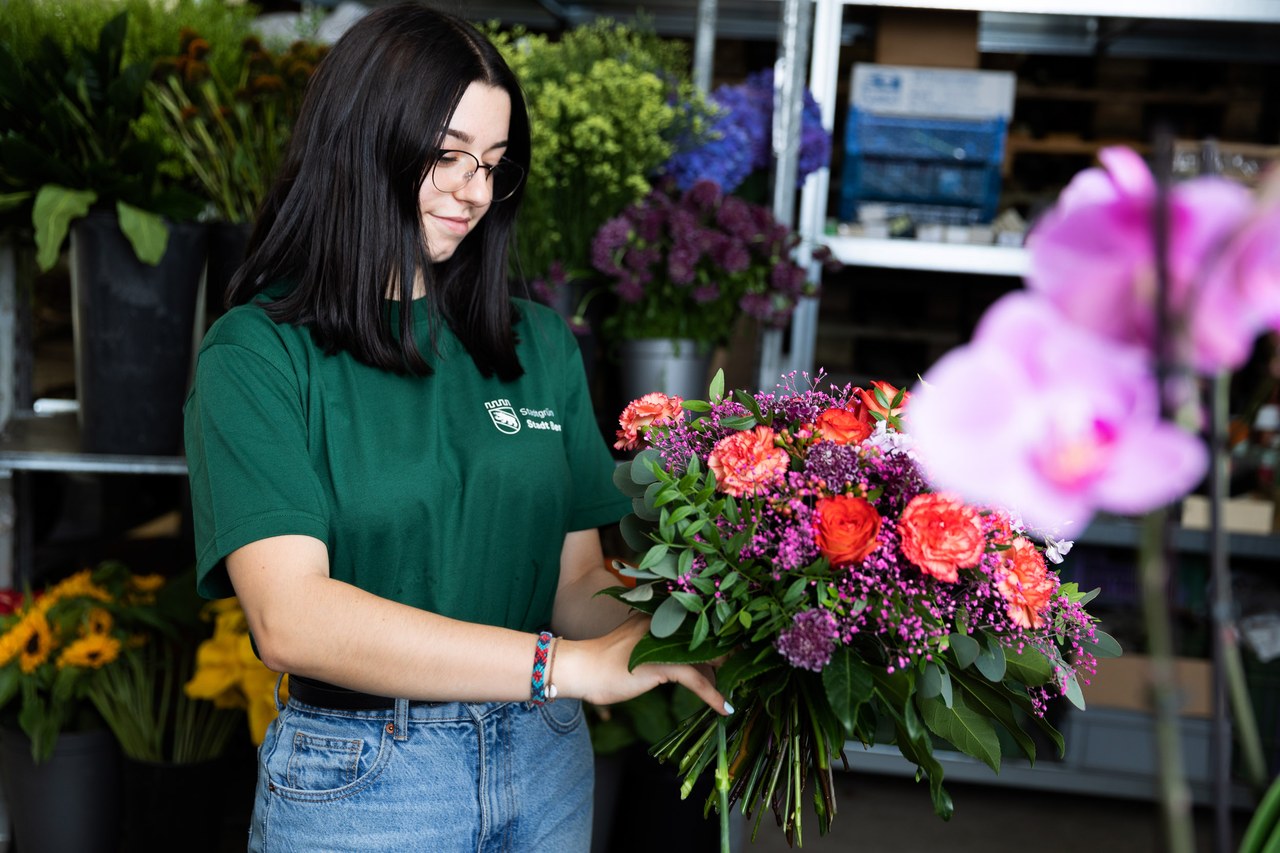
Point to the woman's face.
(479, 127)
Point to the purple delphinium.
(810, 641)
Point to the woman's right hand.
(596, 670)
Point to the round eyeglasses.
(453, 170)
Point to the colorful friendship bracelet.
(538, 693)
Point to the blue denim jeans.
(439, 777)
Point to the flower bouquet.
(56, 645)
(795, 537)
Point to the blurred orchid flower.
(1093, 256)
(1050, 418)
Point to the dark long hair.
(342, 223)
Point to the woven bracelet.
(538, 683)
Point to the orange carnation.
(745, 463)
(843, 426)
(640, 414)
(1027, 584)
(847, 529)
(941, 534)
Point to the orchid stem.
(722, 785)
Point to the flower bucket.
(675, 367)
(71, 801)
(134, 329)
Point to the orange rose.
(847, 529)
(889, 392)
(640, 414)
(745, 463)
(941, 534)
(843, 426)
(1027, 586)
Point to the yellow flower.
(98, 621)
(218, 673)
(90, 652)
(146, 583)
(79, 585)
(37, 641)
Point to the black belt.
(324, 695)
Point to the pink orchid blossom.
(1052, 419)
(1093, 256)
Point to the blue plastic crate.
(923, 161)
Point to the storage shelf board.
(1127, 533)
(1240, 11)
(32, 442)
(933, 257)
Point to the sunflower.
(37, 641)
(90, 652)
(98, 621)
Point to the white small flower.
(1056, 549)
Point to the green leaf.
(848, 685)
(659, 561)
(8, 201)
(146, 231)
(989, 699)
(991, 661)
(643, 592)
(667, 618)
(966, 649)
(1104, 645)
(1073, 692)
(749, 403)
(701, 628)
(742, 666)
(626, 485)
(643, 508)
(963, 728)
(716, 390)
(1029, 666)
(54, 209)
(740, 422)
(690, 602)
(696, 406)
(635, 532)
(644, 465)
(653, 649)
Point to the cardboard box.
(1239, 515)
(927, 37)
(901, 90)
(1125, 683)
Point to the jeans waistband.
(324, 695)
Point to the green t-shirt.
(451, 492)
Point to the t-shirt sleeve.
(247, 453)
(596, 500)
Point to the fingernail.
(728, 709)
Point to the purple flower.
(704, 196)
(609, 239)
(630, 290)
(1240, 296)
(705, 293)
(1093, 254)
(810, 641)
(1049, 418)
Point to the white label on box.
(933, 92)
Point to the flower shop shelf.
(1122, 532)
(38, 442)
(927, 256)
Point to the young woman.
(395, 466)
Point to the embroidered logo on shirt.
(503, 416)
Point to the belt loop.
(279, 704)
(402, 719)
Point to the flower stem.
(722, 784)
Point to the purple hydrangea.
(810, 641)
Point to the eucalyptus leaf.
(966, 649)
(643, 592)
(991, 661)
(629, 571)
(1073, 692)
(644, 509)
(626, 485)
(1104, 645)
(668, 618)
(635, 532)
(642, 467)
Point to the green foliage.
(601, 108)
(68, 119)
(230, 131)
